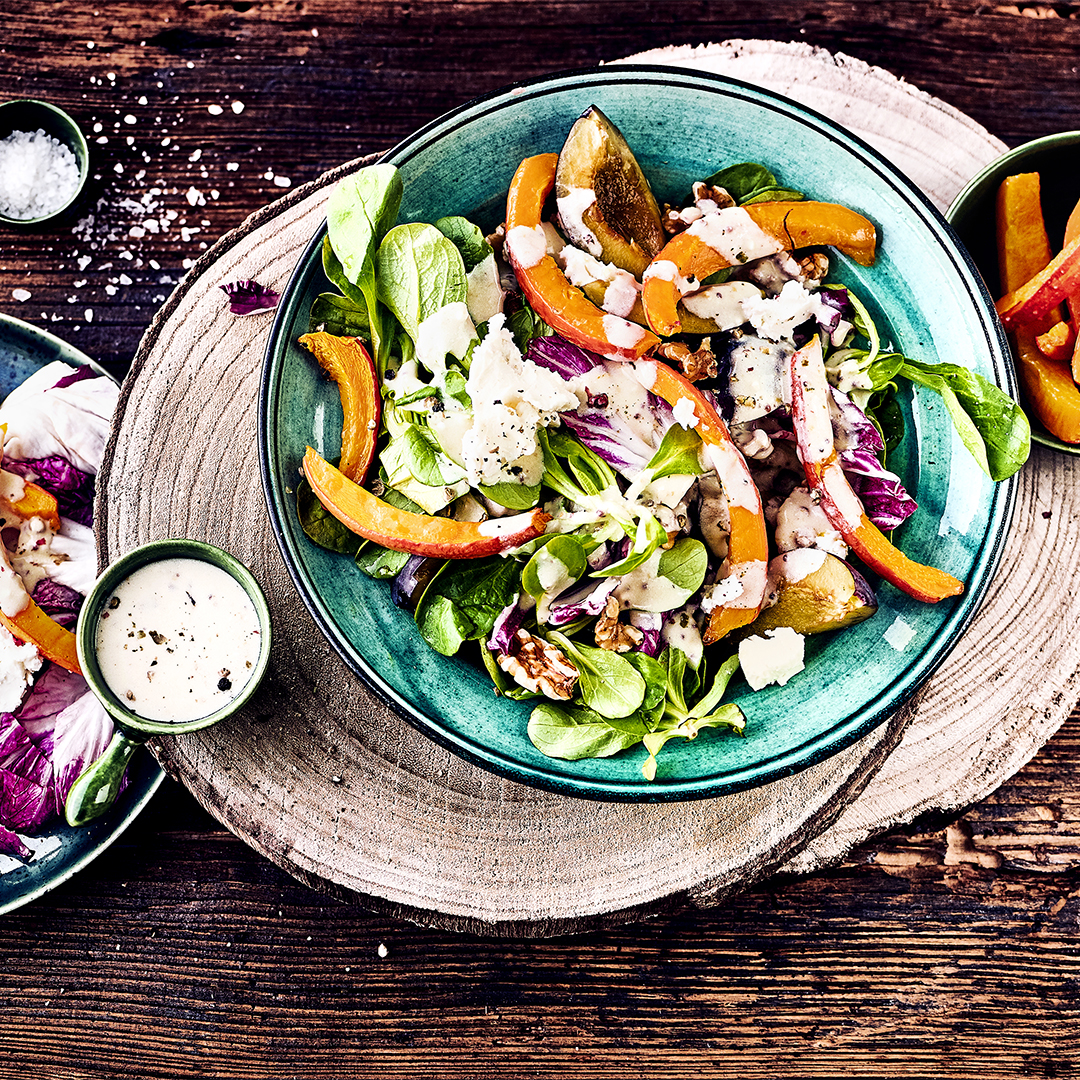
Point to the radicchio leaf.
(84, 371)
(60, 602)
(507, 623)
(73, 488)
(558, 355)
(859, 447)
(247, 297)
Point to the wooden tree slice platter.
(320, 777)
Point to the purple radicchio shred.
(74, 489)
(585, 598)
(26, 801)
(650, 623)
(556, 354)
(247, 297)
(507, 623)
(859, 448)
(84, 371)
(60, 602)
(12, 844)
(57, 731)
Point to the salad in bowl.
(620, 451)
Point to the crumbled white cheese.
(774, 658)
(776, 317)
(18, 662)
(722, 304)
(683, 413)
(722, 593)
(512, 398)
(899, 634)
(581, 269)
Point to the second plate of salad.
(639, 434)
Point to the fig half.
(814, 592)
(605, 203)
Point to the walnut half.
(613, 635)
(694, 365)
(537, 665)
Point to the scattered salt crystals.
(142, 100)
(130, 119)
(383, 951)
(88, 314)
(118, 168)
(38, 175)
(232, 166)
(97, 128)
(238, 107)
(214, 110)
(89, 44)
(21, 294)
(84, 261)
(195, 155)
(194, 197)
(124, 279)
(102, 140)
(282, 181)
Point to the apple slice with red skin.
(789, 225)
(444, 538)
(1033, 303)
(564, 307)
(814, 437)
(748, 542)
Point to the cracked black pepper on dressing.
(178, 640)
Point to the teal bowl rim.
(156, 550)
(81, 150)
(798, 758)
(983, 185)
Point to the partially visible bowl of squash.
(1041, 185)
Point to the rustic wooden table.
(948, 950)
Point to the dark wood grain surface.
(951, 950)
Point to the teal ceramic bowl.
(923, 290)
(973, 214)
(29, 115)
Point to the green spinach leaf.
(467, 238)
(685, 563)
(338, 315)
(320, 525)
(359, 213)
(607, 681)
(573, 732)
(419, 272)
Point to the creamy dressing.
(178, 640)
(734, 235)
(722, 304)
(622, 333)
(527, 245)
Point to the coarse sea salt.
(38, 175)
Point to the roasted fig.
(605, 203)
(814, 592)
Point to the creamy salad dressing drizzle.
(178, 640)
